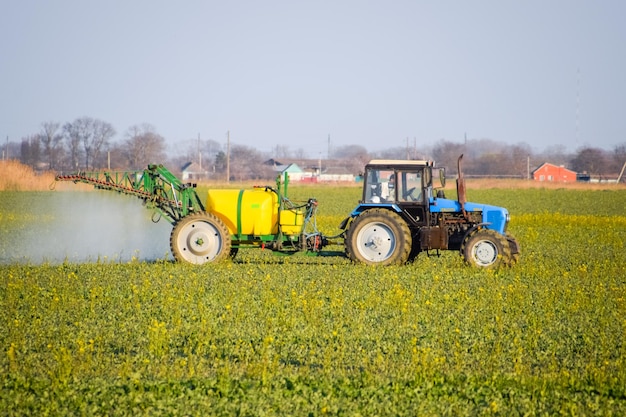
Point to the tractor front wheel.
(486, 248)
(200, 238)
(378, 237)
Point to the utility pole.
(328, 156)
(199, 154)
(621, 173)
(228, 156)
(319, 167)
(577, 121)
(408, 156)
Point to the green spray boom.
(160, 190)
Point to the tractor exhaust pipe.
(460, 187)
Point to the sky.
(295, 73)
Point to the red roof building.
(554, 173)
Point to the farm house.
(193, 171)
(553, 173)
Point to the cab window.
(410, 186)
(380, 187)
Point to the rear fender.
(366, 206)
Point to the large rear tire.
(200, 238)
(378, 237)
(486, 248)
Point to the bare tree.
(118, 156)
(199, 150)
(51, 139)
(486, 164)
(353, 157)
(209, 148)
(73, 136)
(85, 128)
(555, 154)
(143, 146)
(300, 153)
(474, 148)
(30, 151)
(102, 134)
(247, 163)
(397, 152)
(282, 151)
(619, 157)
(591, 160)
(519, 159)
(93, 134)
(446, 154)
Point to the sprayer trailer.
(400, 215)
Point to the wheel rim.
(376, 242)
(485, 253)
(199, 242)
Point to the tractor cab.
(397, 182)
(403, 187)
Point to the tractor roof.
(400, 163)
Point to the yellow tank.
(253, 212)
(245, 212)
(291, 221)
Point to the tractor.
(400, 215)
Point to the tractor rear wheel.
(200, 238)
(378, 237)
(486, 248)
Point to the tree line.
(491, 158)
(88, 143)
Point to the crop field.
(96, 319)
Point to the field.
(95, 319)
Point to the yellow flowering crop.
(268, 335)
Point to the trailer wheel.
(200, 238)
(378, 237)
(486, 248)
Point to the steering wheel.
(411, 195)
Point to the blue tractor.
(402, 214)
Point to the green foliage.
(268, 335)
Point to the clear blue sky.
(543, 72)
